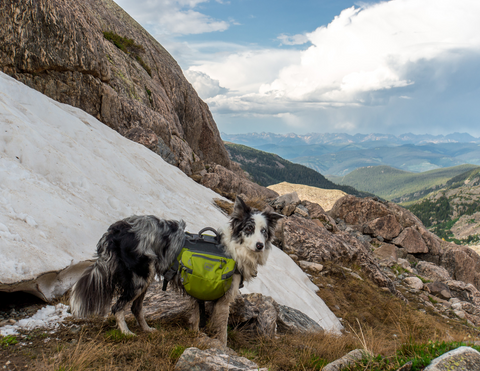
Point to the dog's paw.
(150, 329)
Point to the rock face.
(226, 181)
(58, 47)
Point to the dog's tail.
(93, 292)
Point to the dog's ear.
(240, 209)
(272, 216)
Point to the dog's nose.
(259, 246)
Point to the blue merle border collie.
(135, 249)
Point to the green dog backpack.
(205, 270)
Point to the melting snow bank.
(49, 317)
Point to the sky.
(326, 66)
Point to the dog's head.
(252, 228)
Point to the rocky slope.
(391, 246)
(453, 212)
(94, 56)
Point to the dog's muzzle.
(259, 246)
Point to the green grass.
(176, 352)
(129, 47)
(116, 336)
(8, 340)
(391, 183)
(420, 354)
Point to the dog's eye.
(264, 231)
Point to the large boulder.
(412, 241)
(462, 263)
(60, 48)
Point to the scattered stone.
(439, 289)
(406, 367)
(414, 282)
(459, 313)
(290, 320)
(288, 210)
(213, 360)
(289, 198)
(405, 265)
(302, 211)
(346, 360)
(432, 272)
(312, 266)
(355, 275)
(463, 358)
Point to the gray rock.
(291, 320)
(432, 271)
(312, 266)
(386, 227)
(348, 359)
(194, 359)
(302, 211)
(286, 199)
(406, 367)
(414, 282)
(256, 311)
(412, 241)
(460, 359)
(386, 251)
(439, 289)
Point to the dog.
(137, 248)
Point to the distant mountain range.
(292, 139)
(339, 154)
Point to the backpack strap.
(237, 271)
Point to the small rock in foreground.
(194, 359)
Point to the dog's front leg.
(219, 320)
(194, 310)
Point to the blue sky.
(326, 66)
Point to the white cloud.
(178, 17)
(363, 57)
(299, 39)
(205, 86)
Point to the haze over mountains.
(339, 153)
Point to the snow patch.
(49, 317)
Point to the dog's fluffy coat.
(134, 249)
